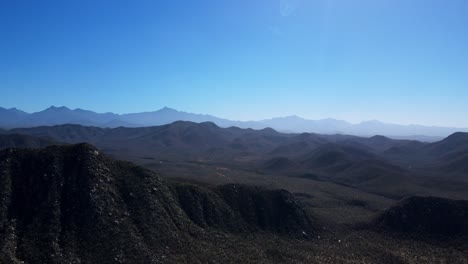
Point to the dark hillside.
(23, 141)
(280, 164)
(240, 208)
(427, 216)
(71, 204)
(334, 157)
(457, 142)
(205, 150)
(64, 133)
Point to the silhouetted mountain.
(439, 155)
(63, 115)
(9, 117)
(180, 138)
(71, 204)
(168, 115)
(427, 216)
(457, 142)
(291, 124)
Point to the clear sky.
(401, 61)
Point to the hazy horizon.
(234, 120)
(402, 62)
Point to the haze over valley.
(11, 118)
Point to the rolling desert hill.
(201, 186)
(73, 204)
(457, 142)
(376, 164)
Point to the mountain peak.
(80, 109)
(380, 137)
(208, 124)
(291, 117)
(168, 109)
(457, 136)
(269, 130)
(55, 108)
(13, 109)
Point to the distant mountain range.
(14, 118)
(378, 164)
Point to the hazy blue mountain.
(167, 115)
(299, 125)
(375, 127)
(58, 115)
(63, 115)
(11, 118)
(8, 117)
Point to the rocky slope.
(71, 204)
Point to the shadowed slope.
(427, 216)
(72, 204)
(23, 141)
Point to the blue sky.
(393, 60)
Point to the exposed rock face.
(427, 216)
(70, 204)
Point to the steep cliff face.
(71, 204)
